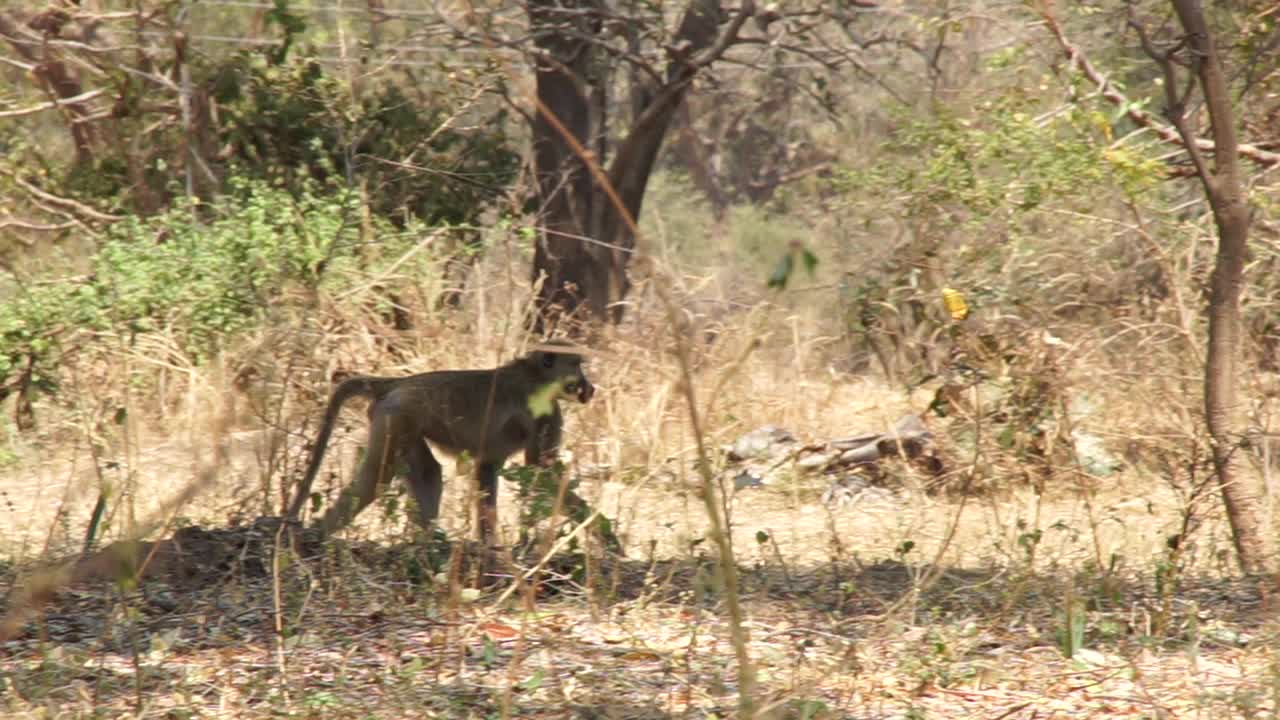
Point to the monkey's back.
(481, 412)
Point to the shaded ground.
(369, 632)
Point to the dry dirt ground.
(899, 606)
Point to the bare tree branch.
(1176, 109)
(1170, 135)
(39, 227)
(55, 103)
(728, 37)
(74, 206)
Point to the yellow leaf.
(954, 302)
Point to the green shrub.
(204, 280)
(288, 120)
(198, 273)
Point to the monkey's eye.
(548, 360)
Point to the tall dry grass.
(171, 441)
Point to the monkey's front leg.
(487, 516)
(544, 442)
(487, 501)
(541, 454)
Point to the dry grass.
(847, 617)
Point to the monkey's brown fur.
(488, 414)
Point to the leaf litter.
(197, 638)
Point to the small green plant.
(321, 701)
(1029, 540)
(786, 266)
(806, 709)
(488, 653)
(539, 487)
(1070, 632)
(904, 548)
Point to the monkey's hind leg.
(378, 464)
(425, 481)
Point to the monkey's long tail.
(369, 387)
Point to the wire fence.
(365, 34)
(333, 9)
(361, 47)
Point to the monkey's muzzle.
(582, 388)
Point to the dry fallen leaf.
(498, 632)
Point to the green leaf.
(489, 653)
(534, 682)
(782, 272)
(810, 261)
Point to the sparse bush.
(200, 273)
(206, 281)
(977, 207)
(289, 120)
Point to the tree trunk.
(56, 79)
(585, 238)
(1242, 495)
(567, 267)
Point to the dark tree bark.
(1242, 494)
(586, 236)
(569, 268)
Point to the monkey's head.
(561, 370)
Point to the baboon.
(488, 414)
